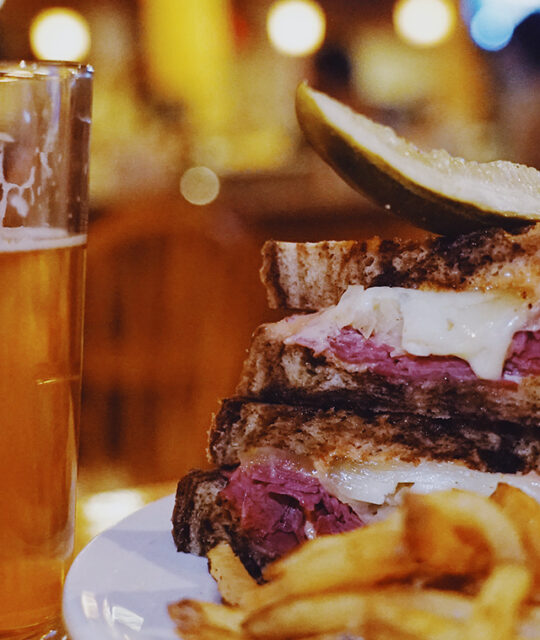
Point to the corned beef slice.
(351, 347)
(524, 354)
(274, 501)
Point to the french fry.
(451, 605)
(358, 558)
(497, 607)
(524, 512)
(389, 619)
(409, 612)
(349, 610)
(308, 615)
(207, 620)
(230, 574)
(459, 532)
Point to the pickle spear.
(432, 189)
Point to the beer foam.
(15, 194)
(38, 238)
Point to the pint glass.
(44, 134)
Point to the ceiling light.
(60, 34)
(296, 27)
(424, 23)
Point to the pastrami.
(350, 346)
(278, 504)
(524, 356)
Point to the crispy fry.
(349, 611)
(459, 532)
(360, 558)
(230, 574)
(207, 620)
(347, 547)
(446, 603)
(497, 606)
(389, 619)
(524, 512)
(309, 615)
(416, 613)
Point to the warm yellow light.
(103, 510)
(199, 185)
(60, 34)
(2, 3)
(296, 27)
(424, 23)
(190, 54)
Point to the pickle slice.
(432, 189)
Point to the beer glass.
(44, 135)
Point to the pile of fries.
(452, 565)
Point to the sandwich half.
(286, 473)
(445, 328)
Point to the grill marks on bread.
(192, 528)
(242, 425)
(315, 275)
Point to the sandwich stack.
(402, 367)
(399, 366)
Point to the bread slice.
(244, 425)
(280, 372)
(315, 275)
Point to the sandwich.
(447, 327)
(284, 474)
(400, 366)
(324, 435)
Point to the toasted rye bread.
(315, 275)
(276, 371)
(243, 425)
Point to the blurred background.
(197, 159)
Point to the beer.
(41, 303)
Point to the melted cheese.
(377, 483)
(473, 325)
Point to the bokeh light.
(60, 34)
(491, 28)
(199, 185)
(492, 23)
(296, 27)
(424, 23)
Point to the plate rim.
(82, 627)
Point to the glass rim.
(28, 69)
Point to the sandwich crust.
(314, 275)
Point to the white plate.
(119, 586)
